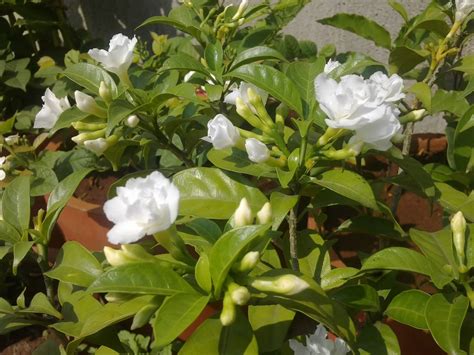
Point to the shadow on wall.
(105, 18)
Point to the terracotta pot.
(207, 313)
(85, 223)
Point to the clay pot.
(207, 313)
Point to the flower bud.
(97, 146)
(264, 216)
(12, 140)
(222, 133)
(227, 316)
(257, 102)
(256, 150)
(413, 116)
(287, 285)
(87, 104)
(240, 11)
(104, 92)
(83, 126)
(132, 121)
(81, 138)
(115, 257)
(243, 214)
(327, 136)
(458, 226)
(240, 295)
(248, 262)
(246, 113)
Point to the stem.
(44, 266)
(292, 221)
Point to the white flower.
(386, 89)
(242, 92)
(142, 207)
(256, 150)
(119, 56)
(319, 344)
(51, 110)
(378, 134)
(243, 214)
(98, 146)
(222, 133)
(331, 65)
(463, 9)
(3, 174)
(13, 139)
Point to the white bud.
(132, 121)
(243, 214)
(97, 146)
(87, 104)
(248, 262)
(104, 92)
(458, 226)
(115, 257)
(287, 285)
(240, 11)
(240, 295)
(227, 316)
(264, 216)
(12, 140)
(256, 150)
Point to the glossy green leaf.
(403, 59)
(354, 63)
(202, 273)
(270, 325)
(232, 246)
(445, 316)
(362, 297)
(41, 304)
(20, 251)
(378, 339)
(256, 54)
(209, 193)
(408, 308)
(141, 278)
(175, 315)
(8, 233)
(314, 303)
(43, 181)
(237, 161)
(397, 258)
(90, 76)
(470, 246)
(361, 26)
(348, 184)
(423, 93)
(450, 101)
(272, 81)
(337, 277)
(184, 62)
(75, 264)
(214, 56)
(438, 249)
(281, 206)
(165, 20)
(16, 203)
(212, 338)
(466, 65)
(398, 7)
(66, 118)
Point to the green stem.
(42, 251)
(292, 222)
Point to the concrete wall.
(104, 18)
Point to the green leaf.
(450, 101)
(214, 56)
(41, 304)
(272, 81)
(141, 278)
(209, 193)
(237, 161)
(90, 76)
(256, 54)
(445, 316)
(347, 184)
(314, 303)
(18, 79)
(66, 118)
(378, 339)
(8, 233)
(438, 249)
(354, 63)
(408, 308)
(270, 325)
(232, 246)
(470, 246)
(76, 265)
(362, 297)
(20, 250)
(400, 9)
(397, 258)
(337, 277)
(361, 26)
(281, 206)
(164, 20)
(119, 110)
(466, 65)
(423, 93)
(213, 338)
(16, 203)
(175, 315)
(44, 180)
(403, 59)
(184, 62)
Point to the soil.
(25, 341)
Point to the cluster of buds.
(223, 26)
(250, 105)
(243, 215)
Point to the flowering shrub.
(239, 135)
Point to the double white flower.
(319, 344)
(463, 9)
(222, 133)
(143, 206)
(119, 56)
(51, 110)
(363, 106)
